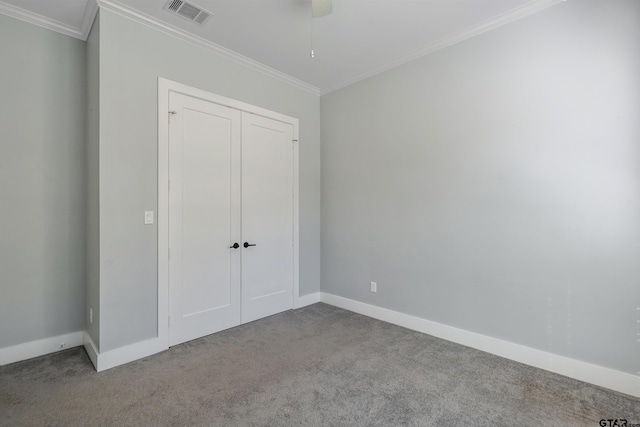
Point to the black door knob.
(246, 245)
(235, 246)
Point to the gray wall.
(132, 57)
(495, 186)
(42, 117)
(92, 212)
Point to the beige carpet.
(316, 366)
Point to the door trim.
(166, 86)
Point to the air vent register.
(187, 11)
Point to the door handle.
(235, 246)
(246, 245)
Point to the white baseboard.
(120, 356)
(583, 371)
(28, 350)
(305, 300)
(91, 349)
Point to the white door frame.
(166, 86)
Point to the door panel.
(204, 212)
(267, 217)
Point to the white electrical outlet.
(374, 287)
(91, 315)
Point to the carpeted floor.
(316, 366)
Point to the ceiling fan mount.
(320, 8)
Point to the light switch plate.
(148, 217)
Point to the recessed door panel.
(204, 214)
(267, 216)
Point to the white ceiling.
(360, 38)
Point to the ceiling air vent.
(187, 11)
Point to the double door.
(230, 217)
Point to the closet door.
(204, 218)
(267, 217)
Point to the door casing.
(166, 86)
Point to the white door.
(231, 181)
(204, 218)
(267, 217)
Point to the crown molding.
(206, 44)
(93, 6)
(89, 17)
(52, 24)
(475, 30)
